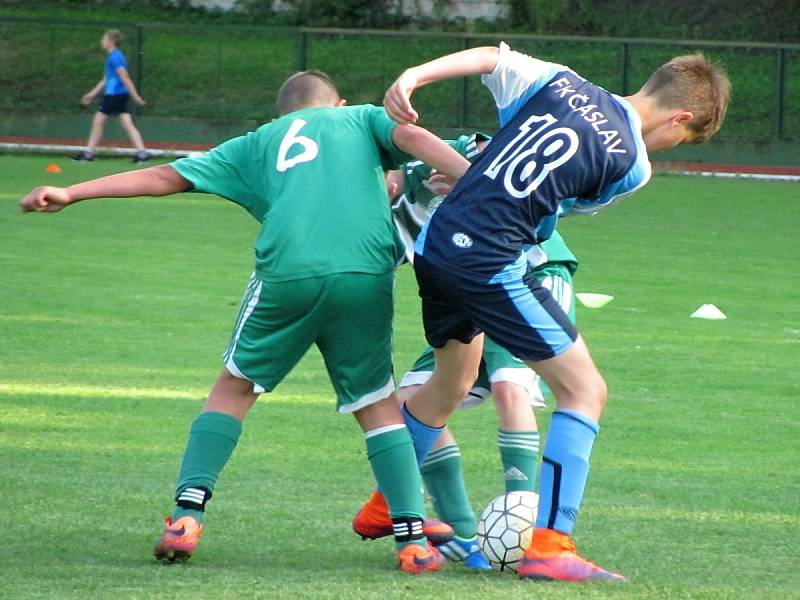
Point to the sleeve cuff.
(503, 50)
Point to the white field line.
(102, 151)
(89, 391)
(726, 174)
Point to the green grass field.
(113, 316)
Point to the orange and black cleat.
(373, 522)
(417, 559)
(552, 556)
(179, 540)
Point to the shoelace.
(569, 546)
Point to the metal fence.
(204, 83)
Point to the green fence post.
(220, 89)
(462, 114)
(623, 67)
(302, 50)
(139, 56)
(780, 91)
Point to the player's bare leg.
(96, 133)
(231, 395)
(574, 380)
(212, 439)
(391, 456)
(455, 372)
(580, 393)
(512, 403)
(135, 137)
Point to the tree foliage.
(734, 20)
(745, 20)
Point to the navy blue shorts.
(517, 312)
(114, 104)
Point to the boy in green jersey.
(307, 176)
(515, 387)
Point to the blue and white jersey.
(566, 146)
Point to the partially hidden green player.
(309, 175)
(514, 386)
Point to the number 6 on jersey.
(310, 148)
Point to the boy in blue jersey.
(565, 146)
(415, 194)
(117, 87)
(516, 390)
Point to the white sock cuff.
(382, 430)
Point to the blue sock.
(423, 435)
(565, 468)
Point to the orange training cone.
(53, 169)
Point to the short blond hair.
(695, 84)
(115, 35)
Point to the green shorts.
(347, 315)
(557, 278)
(498, 364)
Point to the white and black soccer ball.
(506, 527)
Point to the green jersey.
(307, 177)
(414, 206)
(416, 172)
(553, 250)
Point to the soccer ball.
(506, 527)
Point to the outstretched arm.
(155, 181)
(431, 150)
(440, 184)
(474, 61)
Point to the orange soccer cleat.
(373, 522)
(416, 559)
(552, 556)
(179, 540)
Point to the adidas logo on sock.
(514, 474)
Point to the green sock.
(212, 438)
(391, 456)
(518, 453)
(444, 478)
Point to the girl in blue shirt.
(117, 87)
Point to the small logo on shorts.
(462, 240)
